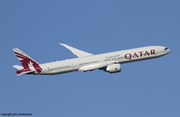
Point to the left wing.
(77, 52)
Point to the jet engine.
(113, 68)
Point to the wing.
(95, 66)
(77, 52)
(92, 67)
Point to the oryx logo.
(28, 63)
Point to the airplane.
(109, 62)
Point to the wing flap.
(77, 52)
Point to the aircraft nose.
(169, 50)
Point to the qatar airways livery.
(109, 62)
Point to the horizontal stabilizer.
(28, 72)
(18, 67)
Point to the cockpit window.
(165, 48)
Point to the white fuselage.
(123, 56)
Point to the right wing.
(92, 67)
(95, 66)
(77, 52)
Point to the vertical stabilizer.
(26, 61)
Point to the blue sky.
(147, 88)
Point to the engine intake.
(113, 68)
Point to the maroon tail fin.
(26, 61)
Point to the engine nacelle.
(113, 68)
